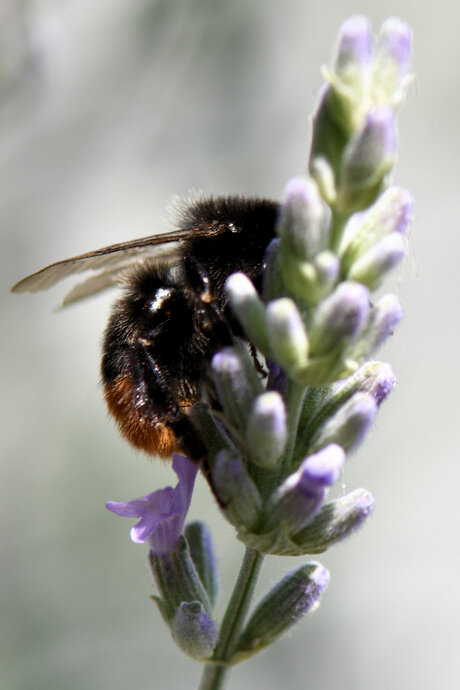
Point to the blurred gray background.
(107, 109)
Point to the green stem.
(336, 230)
(217, 670)
(295, 396)
(214, 677)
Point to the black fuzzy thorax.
(250, 226)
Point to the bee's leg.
(170, 411)
(261, 369)
(199, 282)
(188, 439)
(200, 291)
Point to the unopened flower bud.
(349, 425)
(373, 378)
(385, 315)
(327, 269)
(371, 268)
(177, 580)
(391, 213)
(302, 222)
(236, 382)
(380, 383)
(311, 280)
(300, 496)
(350, 75)
(390, 69)
(323, 173)
(249, 308)
(395, 41)
(339, 318)
(335, 521)
(266, 433)
(333, 123)
(194, 632)
(354, 51)
(287, 334)
(284, 605)
(368, 158)
(235, 490)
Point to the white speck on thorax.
(161, 295)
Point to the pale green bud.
(385, 315)
(266, 434)
(332, 127)
(235, 490)
(327, 268)
(373, 378)
(368, 158)
(350, 75)
(335, 521)
(202, 552)
(339, 318)
(285, 604)
(302, 224)
(194, 632)
(373, 266)
(391, 213)
(300, 496)
(236, 382)
(177, 580)
(391, 64)
(349, 425)
(323, 173)
(287, 334)
(310, 280)
(354, 52)
(249, 308)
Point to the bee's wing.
(113, 260)
(106, 279)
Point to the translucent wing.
(103, 280)
(109, 262)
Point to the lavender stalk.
(282, 440)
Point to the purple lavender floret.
(162, 512)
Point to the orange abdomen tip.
(136, 423)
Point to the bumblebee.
(172, 316)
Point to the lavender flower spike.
(162, 513)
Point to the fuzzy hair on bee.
(172, 315)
